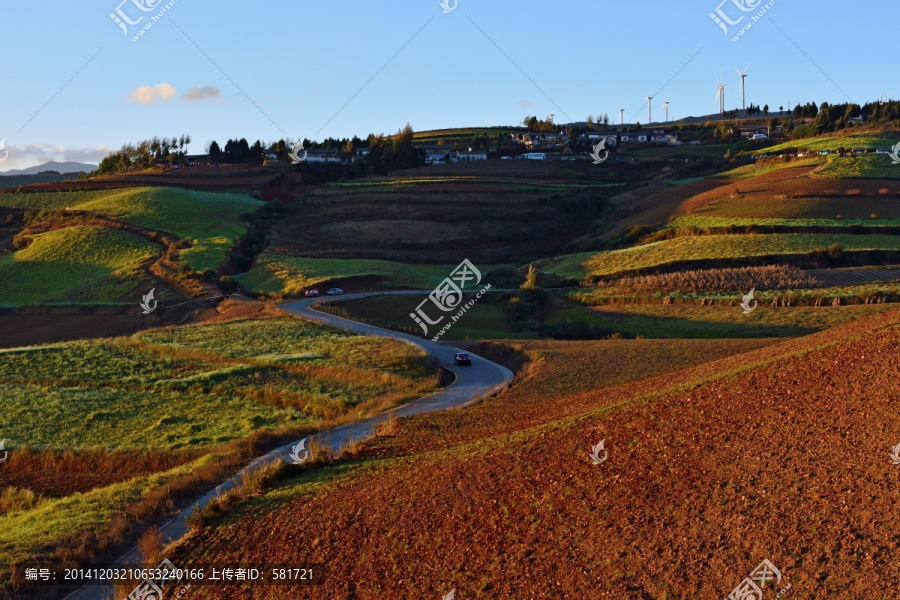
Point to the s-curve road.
(480, 380)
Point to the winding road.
(480, 380)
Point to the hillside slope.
(778, 454)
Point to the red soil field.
(794, 182)
(784, 456)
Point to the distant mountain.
(59, 167)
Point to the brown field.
(795, 192)
(429, 223)
(226, 177)
(498, 212)
(781, 453)
(58, 474)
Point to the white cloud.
(525, 104)
(147, 94)
(199, 94)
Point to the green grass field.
(849, 207)
(199, 386)
(877, 166)
(715, 222)
(27, 534)
(846, 139)
(578, 266)
(688, 321)
(208, 219)
(77, 264)
(274, 273)
(768, 166)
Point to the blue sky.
(304, 62)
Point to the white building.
(634, 137)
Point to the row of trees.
(136, 157)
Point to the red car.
(312, 293)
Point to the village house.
(323, 156)
(634, 137)
(611, 137)
(470, 156)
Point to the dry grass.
(773, 277)
(13, 499)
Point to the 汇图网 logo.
(449, 5)
(147, 303)
(745, 303)
(601, 147)
(751, 588)
(895, 453)
(894, 153)
(294, 155)
(596, 450)
(723, 19)
(448, 295)
(296, 457)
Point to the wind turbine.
(743, 92)
(665, 105)
(720, 96)
(649, 107)
(622, 114)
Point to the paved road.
(482, 379)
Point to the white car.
(335, 292)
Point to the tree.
(215, 153)
(766, 109)
(530, 279)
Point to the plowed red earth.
(796, 182)
(58, 474)
(782, 453)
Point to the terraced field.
(77, 264)
(117, 429)
(276, 273)
(685, 456)
(691, 321)
(708, 247)
(199, 386)
(210, 220)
